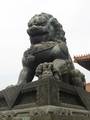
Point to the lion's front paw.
(28, 60)
(44, 68)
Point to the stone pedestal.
(45, 99)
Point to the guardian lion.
(48, 45)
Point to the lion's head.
(44, 27)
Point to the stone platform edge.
(47, 112)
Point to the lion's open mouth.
(35, 31)
(38, 34)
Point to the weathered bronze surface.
(48, 51)
(60, 87)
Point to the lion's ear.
(60, 34)
(54, 22)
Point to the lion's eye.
(43, 24)
(40, 24)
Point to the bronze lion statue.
(48, 45)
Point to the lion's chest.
(47, 53)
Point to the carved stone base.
(45, 113)
(45, 91)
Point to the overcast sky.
(14, 15)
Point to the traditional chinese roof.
(88, 87)
(83, 60)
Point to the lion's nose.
(34, 28)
